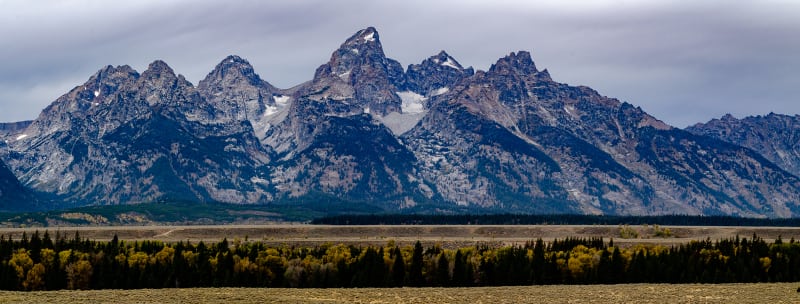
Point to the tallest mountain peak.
(359, 70)
(366, 35)
(363, 47)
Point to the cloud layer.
(682, 61)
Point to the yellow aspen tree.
(79, 275)
(21, 262)
(34, 280)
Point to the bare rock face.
(436, 138)
(237, 94)
(774, 136)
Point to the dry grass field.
(449, 236)
(633, 293)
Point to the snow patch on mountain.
(412, 102)
(451, 63)
(440, 91)
(281, 100)
(370, 37)
(270, 110)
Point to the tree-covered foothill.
(45, 262)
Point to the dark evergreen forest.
(42, 262)
(551, 219)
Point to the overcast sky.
(681, 61)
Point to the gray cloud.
(682, 61)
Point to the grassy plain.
(629, 293)
(449, 236)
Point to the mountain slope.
(775, 136)
(12, 193)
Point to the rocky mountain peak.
(237, 93)
(359, 71)
(234, 59)
(84, 100)
(108, 80)
(160, 86)
(444, 59)
(519, 63)
(158, 69)
(436, 73)
(365, 36)
(362, 51)
(233, 69)
(111, 72)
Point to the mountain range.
(434, 137)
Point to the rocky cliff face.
(438, 137)
(774, 136)
(237, 95)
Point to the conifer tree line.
(42, 262)
(551, 219)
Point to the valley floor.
(448, 236)
(628, 293)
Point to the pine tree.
(617, 268)
(415, 271)
(538, 262)
(398, 268)
(459, 270)
(371, 271)
(443, 270)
